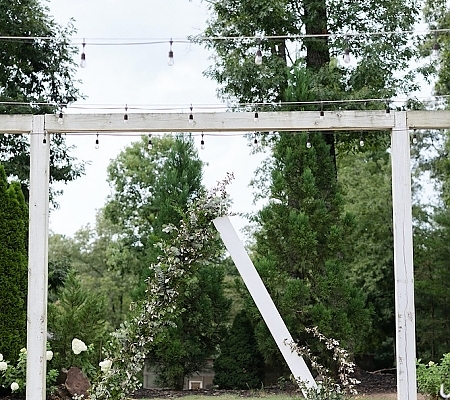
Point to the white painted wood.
(438, 119)
(222, 122)
(263, 300)
(37, 262)
(403, 261)
(10, 123)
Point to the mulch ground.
(371, 383)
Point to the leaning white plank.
(263, 301)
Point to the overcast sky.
(139, 75)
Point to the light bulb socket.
(258, 57)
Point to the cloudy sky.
(138, 75)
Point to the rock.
(77, 382)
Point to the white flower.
(49, 355)
(3, 366)
(23, 350)
(105, 365)
(78, 346)
(1, 357)
(14, 386)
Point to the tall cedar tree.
(309, 69)
(13, 268)
(302, 248)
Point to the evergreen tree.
(240, 365)
(302, 249)
(76, 314)
(13, 268)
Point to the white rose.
(3, 366)
(78, 346)
(105, 365)
(49, 355)
(14, 386)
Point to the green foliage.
(432, 375)
(13, 267)
(365, 178)
(14, 376)
(240, 365)
(76, 314)
(303, 248)
(193, 245)
(151, 188)
(35, 71)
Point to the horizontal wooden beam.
(227, 122)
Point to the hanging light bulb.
(388, 107)
(255, 140)
(97, 144)
(83, 56)
(202, 143)
(170, 60)
(258, 56)
(60, 118)
(346, 57)
(308, 143)
(44, 140)
(414, 138)
(191, 118)
(361, 141)
(256, 119)
(125, 116)
(322, 113)
(149, 144)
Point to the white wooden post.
(263, 301)
(37, 261)
(403, 260)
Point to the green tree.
(76, 314)
(151, 188)
(239, 365)
(35, 71)
(302, 248)
(366, 182)
(13, 268)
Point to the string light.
(202, 143)
(258, 56)
(255, 140)
(361, 141)
(97, 144)
(60, 117)
(414, 138)
(44, 140)
(256, 119)
(388, 107)
(308, 142)
(83, 56)
(170, 60)
(322, 113)
(149, 144)
(125, 116)
(191, 118)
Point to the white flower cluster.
(78, 346)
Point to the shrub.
(431, 376)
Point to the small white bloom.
(78, 346)
(1, 357)
(14, 386)
(105, 365)
(23, 350)
(49, 355)
(3, 366)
